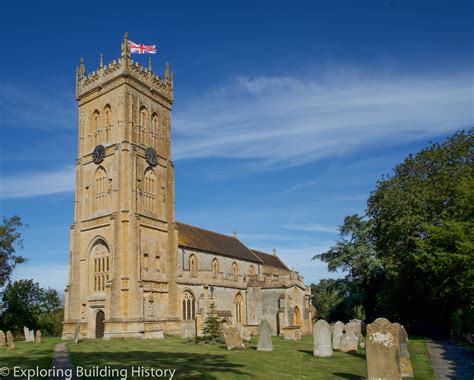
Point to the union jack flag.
(141, 49)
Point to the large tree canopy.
(10, 238)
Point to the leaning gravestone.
(322, 339)
(406, 368)
(383, 350)
(38, 336)
(264, 336)
(349, 342)
(337, 332)
(232, 338)
(26, 331)
(77, 332)
(2, 339)
(32, 336)
(10, 343)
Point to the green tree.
(25, 303)
(326, 296)
(423, 227)
(354, 253)
(10, 239)
(212, 329)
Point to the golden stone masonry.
(133, 270)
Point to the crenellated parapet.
(125, 68)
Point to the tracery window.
(108, 122)
(149, 190)
(100, 189)
(187, 306)
(155, 125)
(238, 303)
(95, 127)
(102, 263)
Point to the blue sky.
(285, 116)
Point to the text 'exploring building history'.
(133, 270)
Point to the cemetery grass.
(288, 360)
(29, 354)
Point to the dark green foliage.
(212, 330)
(25, 303)
(10, 238)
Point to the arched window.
(193, 266)
(187, 306)
(215, 268)
(297, 316)
(142, 124)
(155, 126)
(149, 190)
(100, 189)
(235, 271)
(95, 127)
(252, 270)
(238, 303)
(101, 262)
(107, 121)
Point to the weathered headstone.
(244, 333)
(188, 329)
(291, 333)
(38, 336)
(322, 339)
(77, 332)
(232, 338)
(2, 339)
(337, 332)
(383, 350)
(32, 336)
(357, 327)
(264, 336)
(10, 342)
(26, 331)
(349, 342)
(406, 368)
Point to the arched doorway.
(99, 324)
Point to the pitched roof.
(208, 241)
(270, 260)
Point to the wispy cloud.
(299, 186)
(286, 121)
(310, 227)
(38, 183)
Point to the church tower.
(122, 265)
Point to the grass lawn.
(28, 354)
(289, 360)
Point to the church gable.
(213, 242)
(270, 260)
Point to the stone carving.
(188, 329)
(337, 332)
(322, 339)
(349, 342)
(10, 342)
(38, 336)
(406, 368)
(264, 336)
(2, 339)
(383, 350)
(232, 338)
(26, 331)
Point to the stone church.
(134, 271)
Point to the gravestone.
(10, 343)
(406, 368)
(38, 336)
(337, 332)
(264, 336)
(26, 331)
(291, 333)
(77, 332)
(383, 350)
(2, 339)
(232, 338)
(32, 336)
(188, 329)
(357, 327)
(322, 339)
(353, 327)
(244, 333)
(349, 342)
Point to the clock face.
(98, 154)
(151, 156)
